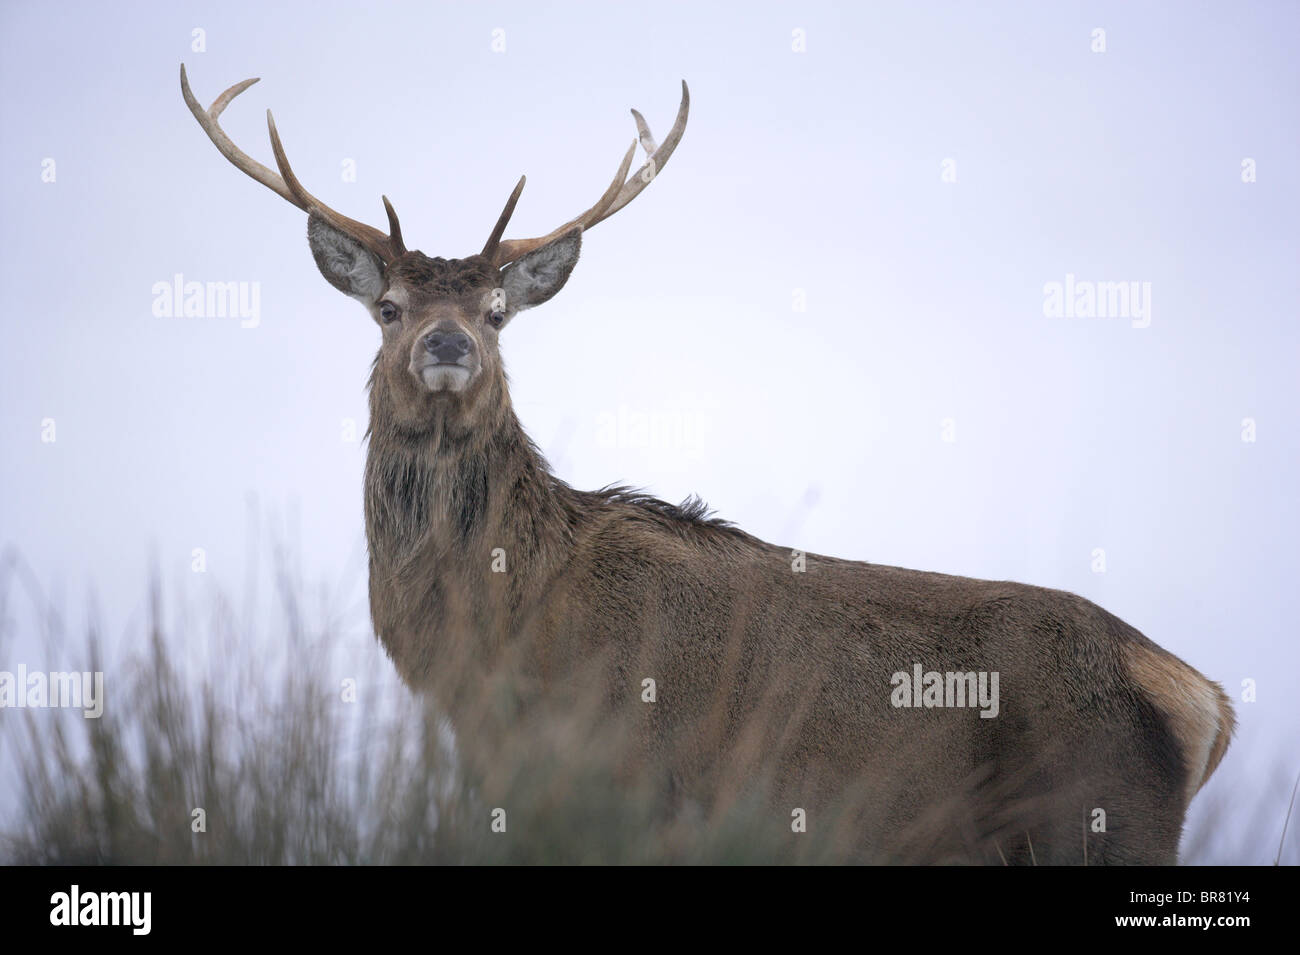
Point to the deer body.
(656, 591)
(770, 668)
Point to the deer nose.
(448, 346)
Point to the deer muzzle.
(445, 358)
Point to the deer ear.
(345, 263)
(537, 276)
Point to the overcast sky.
(831, 316)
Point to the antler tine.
(658, 155)
(643, 133)
(490, 249)
(286, 184)
(394, 227)
(387, 248)
(240, 159)
(621, 191)
(512, 249)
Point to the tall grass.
(258, 754)
(253, 757)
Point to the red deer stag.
(954, 718)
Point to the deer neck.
(466, 514)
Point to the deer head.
(439, 364)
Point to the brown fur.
(1197, 709)
(766, 676)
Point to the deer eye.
(389, 312)
(496, 318)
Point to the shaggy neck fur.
(465, 525)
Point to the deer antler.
(286, 184)
(621, 191)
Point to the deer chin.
(444, 377)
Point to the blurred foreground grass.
(285, 769)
